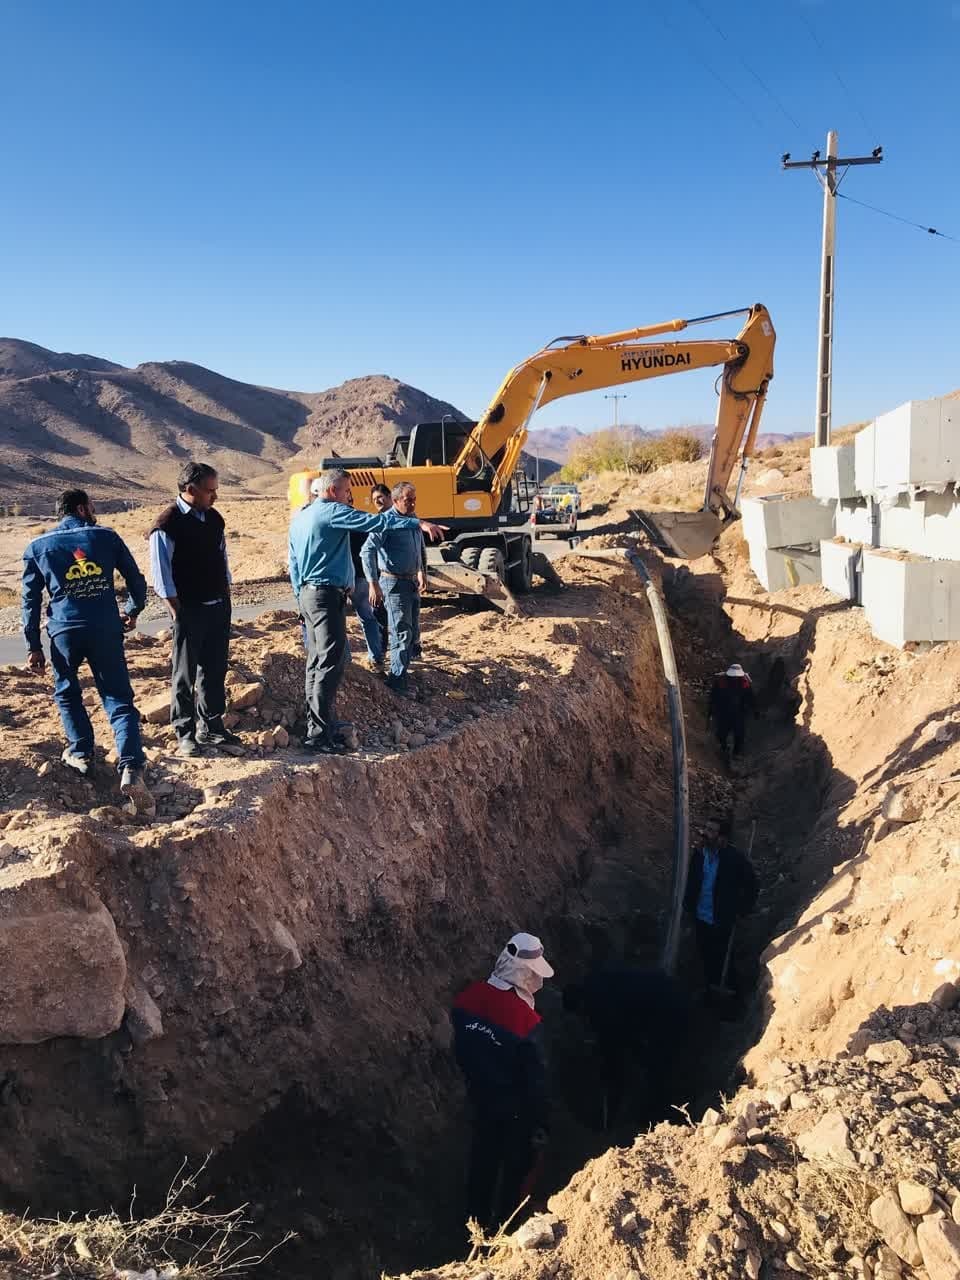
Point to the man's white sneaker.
(80, 764)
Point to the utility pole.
(826, 172)
(616, 399)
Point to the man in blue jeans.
(75, 563)
(395, 565)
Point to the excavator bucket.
(454, 578)
(687, 534)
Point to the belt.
(402, 577)
(326, 586)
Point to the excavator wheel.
(491, 561)
(470, 556)
(520, 576)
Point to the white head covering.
(735, 670)
(521, 966)
(316, 489)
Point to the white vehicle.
(565, 495)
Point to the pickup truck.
(555, 510)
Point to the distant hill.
(561, 441)
(124, 433)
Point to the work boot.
(188, 747)
(399, 686)
(373, 664)
(325, 746)
(133, 786)
(220, 737)
(73, 760)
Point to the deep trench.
(783, 784)
(401, 1206)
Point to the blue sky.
(299, 193)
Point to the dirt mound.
(829, 1168)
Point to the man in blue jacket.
(322, 576)
(75, 563)
(497, 1043)
(721, 887)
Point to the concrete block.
(941, 525)
(926, 525)
(917, 444)
(909, 598)
(781, 568)
(832, 471)
(840, 569)
(901, 527)
(863, 460)
(855, 521)
(780, 521)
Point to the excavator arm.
(572, 365)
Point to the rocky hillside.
(76, 419)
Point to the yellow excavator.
(468, 474)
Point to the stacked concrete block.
(910, 598)
(941, 525)
(917, 446)
(780, 568)
(840, 568)
(864, 460)
(855, 521)
(832, 472)
(784, 533)
(786, 521)
(925, 525)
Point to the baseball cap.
(735, 670)
(529, 949)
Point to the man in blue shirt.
(322, 576)
(395, 565)
(75, 563)
(721, 886)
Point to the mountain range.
(69, 419)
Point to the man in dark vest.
(188, 561)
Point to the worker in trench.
(639, 1019)
(731, 701)
(721, 888)
(497, 1043)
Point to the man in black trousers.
(188, 560)
(721, 887)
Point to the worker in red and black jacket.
(496, 1038)
(731, 701)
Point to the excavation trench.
(303, 935)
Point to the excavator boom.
(592, 363)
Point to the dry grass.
(621, 451)
(182, 1240)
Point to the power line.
(931, 231)
(743, 62)
(709, 70)
(836, 74)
